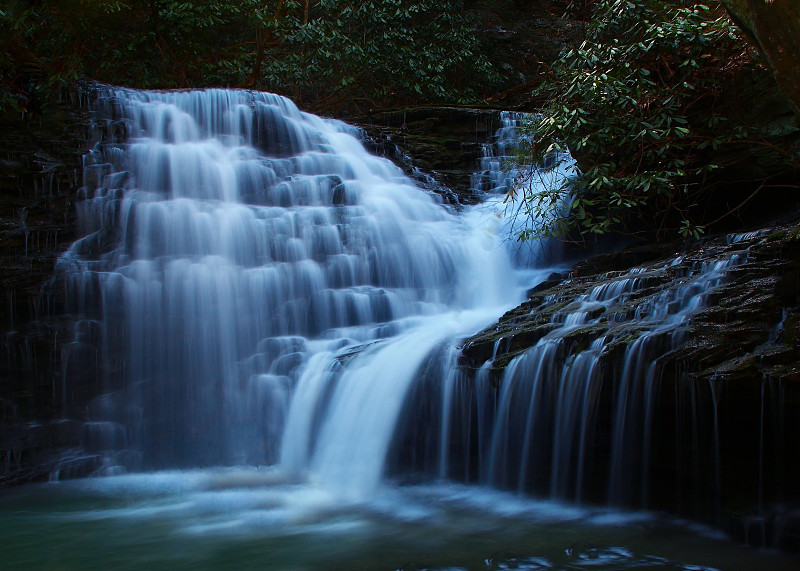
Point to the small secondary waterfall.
(501, 171)
(558, 408)
(265, 290)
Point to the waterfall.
(254, 288)
(265, 291)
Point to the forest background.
(671, 108)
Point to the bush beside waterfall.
(657, 105)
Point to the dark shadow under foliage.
(674, 122)
(322, 53)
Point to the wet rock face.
(760, 295)
(40, 171)
(523, 326)
(437, 146)
(710, 428)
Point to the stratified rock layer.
(713, 430)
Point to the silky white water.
(270, 288)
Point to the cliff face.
(40, 172)
(774, 25)
(734, 318)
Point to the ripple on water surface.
(248, 518)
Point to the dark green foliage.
(396, 49)
(638, 104)
(324, 52)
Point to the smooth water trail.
(267, 290)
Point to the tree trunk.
(775, 26)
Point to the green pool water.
(246, 518)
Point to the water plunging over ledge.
(269, 288)
(277, 316)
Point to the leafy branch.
(637, 104)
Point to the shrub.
(637, 106)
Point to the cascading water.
(254, 289)
(270, 287)
(496, 176)
(582, 394)
(502, 174)
(277, 297)
(565, 424)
